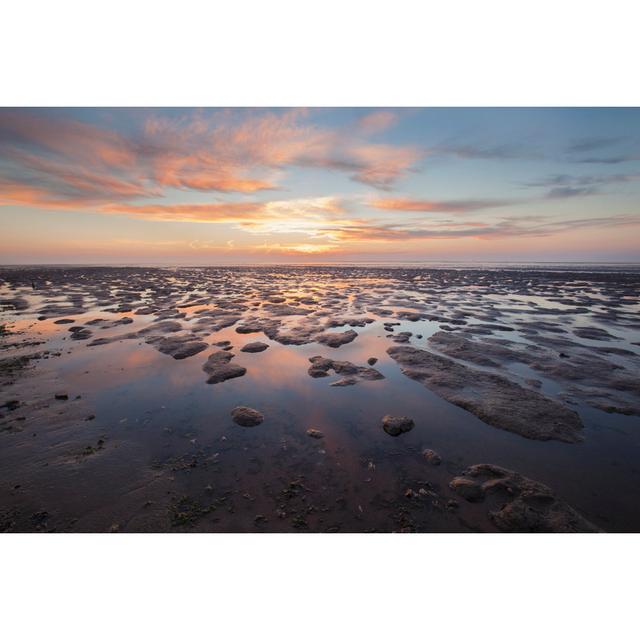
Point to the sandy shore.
(325, 399)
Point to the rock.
(152, 333)
(321, 366)
(255, 325)
(254, 347)
(246, 417)
(524, 505)
(395, 425)
(64, 321)
(431, 456)
(80, 333)
(219, 368)
(467, 488)
(315, 433)
(284, 310)
(179, 347)
(412, 316)
(401, 337)
(492, 398)
(14, 304)
(335, 340)
(352, 322)
(372, 361)
(318, 372)
(61, 395)
(109, 324)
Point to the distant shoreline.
(532, 266)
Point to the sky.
(237, 186)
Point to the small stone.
(372, 361)
(246, 417)
(254, 347)
(395, 425)
(315, 433)
(431, 456)
(61, 396)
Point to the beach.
(319, 399)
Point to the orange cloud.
(380, 165)
(440, 206)
(254, 216)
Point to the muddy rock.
(220, 368)
(336, 340)
(179, 347)
(254, 347)
(492, 398)
(395, 425)
(321, 367)
(247, 417)
(315, 433)
(402, 337)
(351, 322)
(431, 457)
(518, 504)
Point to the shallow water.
(172, 459)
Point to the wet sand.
(118, 391)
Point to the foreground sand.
(319, 399)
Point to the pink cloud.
(58, 159)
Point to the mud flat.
(490, 397)
(319, 399)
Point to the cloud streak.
(562, 186)
(437, 206)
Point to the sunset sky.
(225, 186)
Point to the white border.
(334, 52)
(319, 586)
